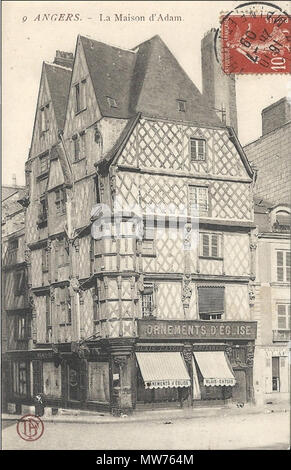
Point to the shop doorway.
(239, 391)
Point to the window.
(12, 251)
(19, 283)
(21, 327)
(283, 266)
(20, 381)
(210, 302)
(48, 319)
(45, 260)
(79, 146)
(52, 380)
(282, 222)
(43, 209)
(43, 164)
(148, 300)
(198, 198)
(111, 102)
(95, 297)
(80, 96)
(44, 118)
(148, 244)
(61, 201)
(181, 105)
(283, 311)
(74, 383)
(62, 253)
(275, 374)
(197, 149)
(98, 382)
(64, 306)
(210, 245)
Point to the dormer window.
(79, 150)
(111, 102)
(181, 105)
(44, 118)
(60, 201)
(282, 222)
(80, 96)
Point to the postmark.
(256, 44)
(30, 428)
(254, 38)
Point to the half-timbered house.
(139, 225)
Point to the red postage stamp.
(256, 44)
(30, 427)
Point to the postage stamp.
(256, 44)
(30, 428)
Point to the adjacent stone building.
(139, 235)
(271, 154)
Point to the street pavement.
(240, 431)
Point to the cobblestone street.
(243, 431)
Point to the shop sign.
(207, 330)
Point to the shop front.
(168, 364)
(192, 363)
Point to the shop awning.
(215, 368)
(163, 369)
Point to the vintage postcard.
(146, 228)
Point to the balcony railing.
(281, 335)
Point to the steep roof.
(58, 78)
(147, 79)
(9, 190)
(111, 70)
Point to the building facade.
(272, 304)
(270, 154)
(16, 319)
(139, 237)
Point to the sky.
(29, 38)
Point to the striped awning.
(163, 369)
(215, 368)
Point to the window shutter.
(48, 311)
(282, 323)
(211, 300)
(288, 266)
(280, 269)
(205, 244)
(214, 247)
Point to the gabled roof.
(147, 79)
(58, 78)
(110, 70)
(162, 82)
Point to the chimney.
(276, 115)
(14, 180)
(65, 59)
(218, 87)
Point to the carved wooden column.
(250, 349)
(187, 355)
(121, 369)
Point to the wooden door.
(239, 391)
